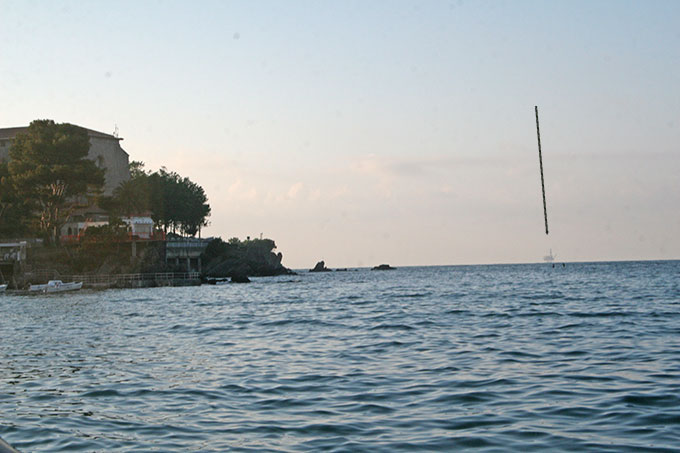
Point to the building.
(105, 151)
(185, 253)
(138, 228)
(12, 258)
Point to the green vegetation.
(115, 231)
(48, 176)
(176, 204)
(14, 212)
(92, 256)
(48, 170)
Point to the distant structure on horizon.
(549, 258)
(105, 152)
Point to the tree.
(176, 204)
(7, 195)
(195, 207)
(14, 212)
(49, 166)
(136, 168)
(130, 198)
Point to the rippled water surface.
(488, 358)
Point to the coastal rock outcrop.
(320, 267)
(235, 259)
(240, 279)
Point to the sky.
(398, 132)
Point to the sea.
(497, 358)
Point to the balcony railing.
(44, 275)
(107, 279)
(129, 237)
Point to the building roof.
(8, 133)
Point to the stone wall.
(4, 150)
(107, 153)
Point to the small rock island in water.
(384, 267)
(320, 267)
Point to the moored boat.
(3, 288)
(56, 286)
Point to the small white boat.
(3, 288)
(56, 286)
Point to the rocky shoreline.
(144, 264)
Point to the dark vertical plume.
(540, 162)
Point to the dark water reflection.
(495, 358)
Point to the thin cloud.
(294, 190)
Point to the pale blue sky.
(383, 131)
